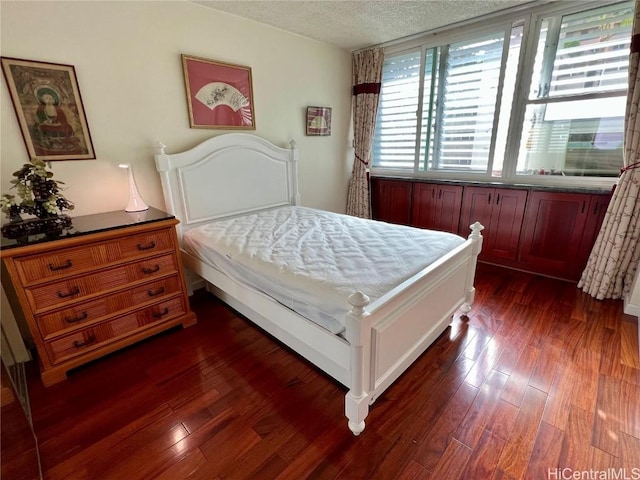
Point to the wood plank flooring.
(540, 377)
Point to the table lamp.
(136, 204)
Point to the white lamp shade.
(136, 204)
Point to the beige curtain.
(614, 259)
(367, 75)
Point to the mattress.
(311, 260)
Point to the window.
(574, 116)
(459, 124)
(487, 104)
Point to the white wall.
(127, 60)
(632, 300)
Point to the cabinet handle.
(153, 293)
(489, 201)
(595, 209)
(147, 247)
(439, 194)
(160, 314)
(148, 271)
(433, 194)
(77, 319)
(584, 204)
(498, 199)
(55, 268)
(87, 342)
(70, 293)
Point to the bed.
(234, 179)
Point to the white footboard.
(387, 336)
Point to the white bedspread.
(311, 260)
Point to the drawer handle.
(55, 268)
(153, 293)
(147, 247)
(147, 271)
(70, 293)
(87, 342)
(81, 317)
(160, 314)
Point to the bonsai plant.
(38, 196)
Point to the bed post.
(476, 236)
(294, 172)
(162, 165)
(358, 336)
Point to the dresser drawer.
(101, 334)
(80, 314)
(76, 260)
(74, 289)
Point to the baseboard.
(631, 308)
(194, 282)
(198, 284)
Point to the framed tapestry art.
(47, 102)
(318, 121)
(219, 95)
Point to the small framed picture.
(47, 102)
(219, 95)
(318, 121)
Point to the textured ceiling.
(355, 24)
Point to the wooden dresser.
(110, 280)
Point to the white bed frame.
(237, 173)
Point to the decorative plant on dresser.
(107, 281)
(39, 196)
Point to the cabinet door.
(506, 222)
(391, 200)
(500, 210)
(447, 211)
(436, 207)
(476, 207)
(552, 233)
(423, 209)
(597, 210)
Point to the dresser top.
(88, 224)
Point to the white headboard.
(226, 176)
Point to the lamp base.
(136, 207)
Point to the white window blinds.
(396, 127)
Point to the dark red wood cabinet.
(391, 200)
(541, 231)
(501, 212)
(597, 210)
(436, 207)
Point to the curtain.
(614, 259)
(367, 76)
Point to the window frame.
(530, 18)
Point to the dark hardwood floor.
(541, 377)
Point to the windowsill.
(594, 186)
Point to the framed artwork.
(219, 95)
(47, 102)
(318, 121)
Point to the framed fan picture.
(219, 95)
(47, 102)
